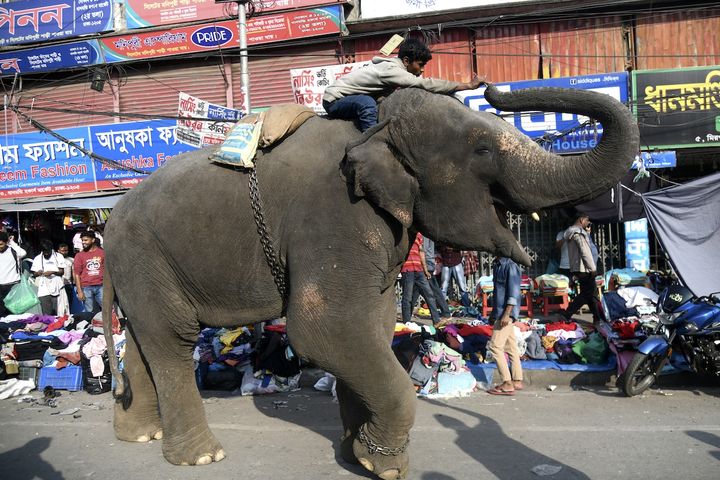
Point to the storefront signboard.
(48, 59)
(656, 159)
(295, 24)
(218, 35)
(198, 133)
(539, 124)
(37, 164)
(678, 108)
(637, 245)
(142, 145)
(308, 84)
(198, 38)
(394, 8)
(144, 13)
(31, 21)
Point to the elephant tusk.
(535, 216)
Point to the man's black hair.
(414, 49)
(46, 245)
(87, 233)
(61, 245)
(4, 237)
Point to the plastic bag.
(22, 296)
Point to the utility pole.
(244, 71)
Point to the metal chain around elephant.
(375, 448)
(278, 272)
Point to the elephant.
(341, 210)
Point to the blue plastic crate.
(68, 378)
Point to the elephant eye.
(482, 150)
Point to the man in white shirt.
(10, 256)
(48, 268)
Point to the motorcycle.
(688, 325)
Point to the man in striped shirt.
(415, 273)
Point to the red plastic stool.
(526, 303)
(486, 307)
(554, 303)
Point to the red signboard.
(213, 36)
(144, 13)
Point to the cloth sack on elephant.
(260, 130)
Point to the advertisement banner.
(198, 38)
(395, 8)
(48, 59)
(538, 124)
(36, 164)
(308, 84)
(637, 245)
(144, 145)
(198, 133)
(296, 24)
(144, 13)
(30, 21)
(213, 36)
(655, 159)
(678, 108)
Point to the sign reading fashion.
(678, 108)
(541, 124)
(29, 21)
(48, 59)
(308, 84)
(37, 164)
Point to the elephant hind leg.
(137, 418)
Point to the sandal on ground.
(500, 391)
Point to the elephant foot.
(139, 433)
(346, 449)
(199, 450)
(385, 462)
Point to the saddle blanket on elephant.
(263, 130)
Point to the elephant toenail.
(204, 460)
(391, 474)
(158, 435)
(219, 455)
(367, 464)
(143, 439)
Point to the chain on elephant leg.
(386, 461)
(353, 413)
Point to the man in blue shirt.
(506, 309)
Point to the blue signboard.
(656, 159)
(637, 245)
(142, 145)
(47, 59)
(31, 21)
(538, 124)
(36, 164)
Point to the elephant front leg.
(377, 398)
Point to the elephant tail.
(121, 392)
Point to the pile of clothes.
(31, 342)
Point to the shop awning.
(686, 220)
(85, 202)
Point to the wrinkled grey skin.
(183, 251)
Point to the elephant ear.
(379, 171)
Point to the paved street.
(591, 433)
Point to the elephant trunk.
(538, 179)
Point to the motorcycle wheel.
(640, 374)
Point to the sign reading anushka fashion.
(37, 164)
(30, 21)
(536, 125)
(678, 108)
